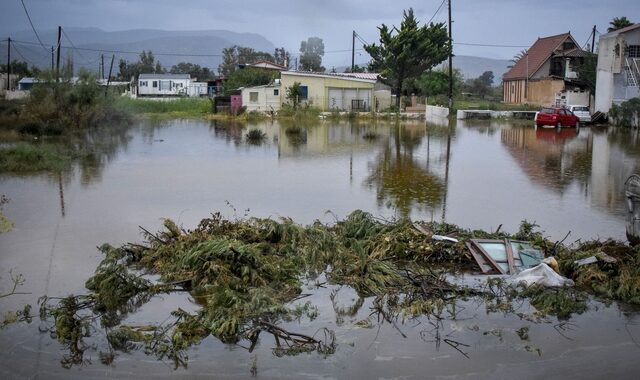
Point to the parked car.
(557, 117)
(582, 112)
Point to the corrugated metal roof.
(537, 54)
(368, 77)
(164, 76)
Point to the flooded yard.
(477, 174)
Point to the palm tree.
(618, 23)
(518, 56)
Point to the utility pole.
(593, 38)
(58, 54)
(450, 62)
(9, 64)
(102, 66)
(109, 77)
(51, 58)
(353, 50)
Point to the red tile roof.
(537, 54)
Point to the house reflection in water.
(589, 158)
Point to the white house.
(618, 73)
(265, 98)
(163, 84)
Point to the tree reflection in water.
(401, 180)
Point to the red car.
(557, 117)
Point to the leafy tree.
(248, 77)
(146, 64)
(311, 53)
(294, 94)
(21, 69)
(407, 52)
(587, 71)
(481, 86)
(237, 55)
(356, 69)
(282, 57)
(196, 71)
(618, 23)
(436, 82)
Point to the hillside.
(161, 42)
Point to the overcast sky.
(287, 22)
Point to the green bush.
(626, 114)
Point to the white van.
(582, 112)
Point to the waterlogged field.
(351, 295)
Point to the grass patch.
(173, 107)
(26, 157)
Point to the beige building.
(354, 92)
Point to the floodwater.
(477, 174)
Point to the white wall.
(174, 87)
(267, 100)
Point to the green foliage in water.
(246, 275)
(627, 114)
(169, 107)
(27, 157)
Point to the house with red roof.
(546, 74)
(618, 74)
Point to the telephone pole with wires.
(58, 54)
(450, 62)
(8, 64)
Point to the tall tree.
(146, 64)
(238, 55)
(587, 71)
(482, 85)
(618, 23)
(249, 77)
(282, 57)
(196, 71)
(311, 53)
(407, 52)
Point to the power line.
(32, 27)
(87, 61)
(490, 45)
(437, 11)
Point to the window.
(305, 92)
(568, 45)
(276, 92)
(155, 83)
(253, 97)
(634, 51)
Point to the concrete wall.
(267, 100)
(318, 87)
(611, 81)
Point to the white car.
(582, 112)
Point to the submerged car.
(557, 117)
(582, 112)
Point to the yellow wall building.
(357, 92)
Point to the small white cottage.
(262, 98)
(163, 84)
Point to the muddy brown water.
(475, 174)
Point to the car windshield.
(547, 110)
(581, 109)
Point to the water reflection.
(597, 160)
(551, 158)
(403, 180)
